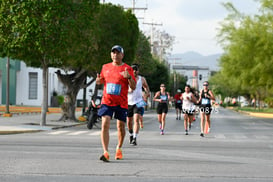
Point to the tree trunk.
(69, 108)
(73, 82)
(45, 95)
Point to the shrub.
(60, 99)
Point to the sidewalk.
(30, 122)
(255, 114)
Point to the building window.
(33, 85)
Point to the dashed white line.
(221, 136)
(77, 132)
(261, 137)
(58, 132)
(95, 133)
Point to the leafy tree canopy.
(247, 63)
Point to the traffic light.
(200, 77)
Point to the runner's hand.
(98, 79)
(126, 74)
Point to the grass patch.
(252, 109)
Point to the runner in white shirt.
(136, 104)
(188, 107)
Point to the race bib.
(141, 104)
(205, 101)
(113, 89)
(163, 97)
(178, 101)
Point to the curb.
(69, 126)
(260, 115)
(38, 130)
(18, 132)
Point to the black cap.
(135, 66)
(118, 48)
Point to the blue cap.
(118, 48)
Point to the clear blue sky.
(192, 22)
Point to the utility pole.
(7, 113)
(133, 8)
(175, 74)
(152, 31)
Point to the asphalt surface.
(30, 122)
(239, 148)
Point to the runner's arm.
(146, 86)
(211, 95)
(155, 97)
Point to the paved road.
(239, 148)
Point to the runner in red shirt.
(116, 77)
(115, 82)
(178, 104)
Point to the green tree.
(114, 26)
(93, 47)
(74, 35)
(32, 31)
(77, 58)
(247, 61)
(161, 75)
(143, 56)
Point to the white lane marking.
(58, 132)
(77, 133)
(261, 137)
(95, 133)
(221, 136)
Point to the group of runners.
(191, 103)
(124, 98)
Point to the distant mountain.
(192, 58)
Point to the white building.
(196, 75)
(26, 84)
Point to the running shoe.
(105, 157)
(134, 142)
(176, 118)
(131, 139)
(186, 132)
(160, 126)
(162, 132)
(141, 126)
(202, 134)
(118, 154)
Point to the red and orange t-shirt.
(115, 85)
(177, 98)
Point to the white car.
(244, 104)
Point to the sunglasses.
(205, 85)
(162, 86)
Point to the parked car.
(244, 104)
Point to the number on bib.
(113, 89)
